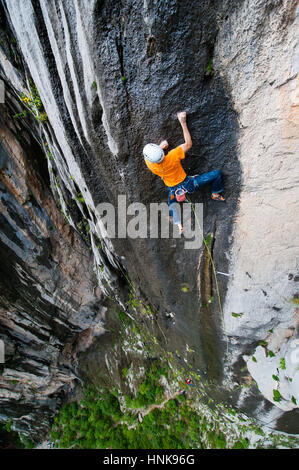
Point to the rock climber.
(169, 168)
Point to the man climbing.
(169, 168)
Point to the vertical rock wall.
(112, 76)
(257, 52)
(48, 288)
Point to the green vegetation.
(25, 442)
(80, 198)
(147, 310)
(134, 303)
(184, 288)
(48, 151)
(101, 421)
(209, 68)
(241, 444)
(13, 439)
(282, 363)
(84, 229)
(208, 239)
(98, 422)
(124, 372)
(153, 417)
(34, 103)
(276, 395)
(150, 391)
(23, 114)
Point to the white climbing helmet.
(153, 153)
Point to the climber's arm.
(188, 141)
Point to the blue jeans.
(190, 184)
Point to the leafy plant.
(209, 68)
(8, 425)
(23, 114)
(282, 363)
(241, 444)
(294, 400)
(208, 239)
(80, 198)
(236, 315)
(133, 301)
(43, 117)
(276, 395)
(34, 103)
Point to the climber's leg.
(213, 177)
(175, 211)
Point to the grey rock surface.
(257, 53)
(47, 283)
(112, 76)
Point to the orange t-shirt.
(170, 169)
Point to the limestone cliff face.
(50, 303)
(111, 76)
(257, 52)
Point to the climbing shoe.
(217, 197)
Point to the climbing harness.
(179, 193)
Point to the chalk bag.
(180, 194)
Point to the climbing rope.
(214, 272)
(189, 381)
